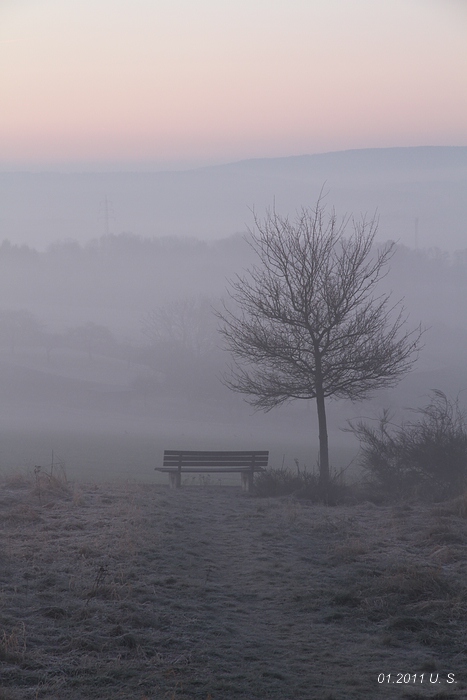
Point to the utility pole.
(108, 214)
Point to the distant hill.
(419, 193)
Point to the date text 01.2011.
(406, 678)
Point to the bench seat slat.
(212, 470)
(215, 463)
(202, 456)
(216, 452)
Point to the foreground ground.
(135, 591)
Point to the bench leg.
(247, 481)
(174, 479)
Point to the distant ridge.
(400, 156)
(421, 187)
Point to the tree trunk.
(323, 443)
(323, 428)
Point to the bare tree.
(92, 338)
(185, 323)
(183, 344)
(306, 323)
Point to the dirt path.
(135, 591)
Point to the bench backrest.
(191, 458)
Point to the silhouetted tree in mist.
(91, 338)
(19, 328)
(183, 338)
(307, 323)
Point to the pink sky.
(177, 83)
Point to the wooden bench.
(246, 463)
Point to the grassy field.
(49, 406)
(134, 591)
(110, 453)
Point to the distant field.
(107, 456)
(44, 411)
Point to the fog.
(109, 351)
(419, 194)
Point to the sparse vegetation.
(51, 482)
(303, 484)
(280, 482)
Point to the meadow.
(130, 590)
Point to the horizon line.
(123, 167)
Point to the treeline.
(148, 303)
(21, 329)
(116, 279)
(128, 246)
(104, 295)
(123, 244)
(177, 352)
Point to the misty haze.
(419, 194)
(233, 338)
(116, 585)
(93, 369)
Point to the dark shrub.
(426, 458)
(284, 482)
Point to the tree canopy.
(307, 322)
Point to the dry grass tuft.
(16, 481)
(13, 643)
(50, 485)
(456, 506)
(414, 582)
(350, 550)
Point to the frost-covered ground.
(133, 591)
